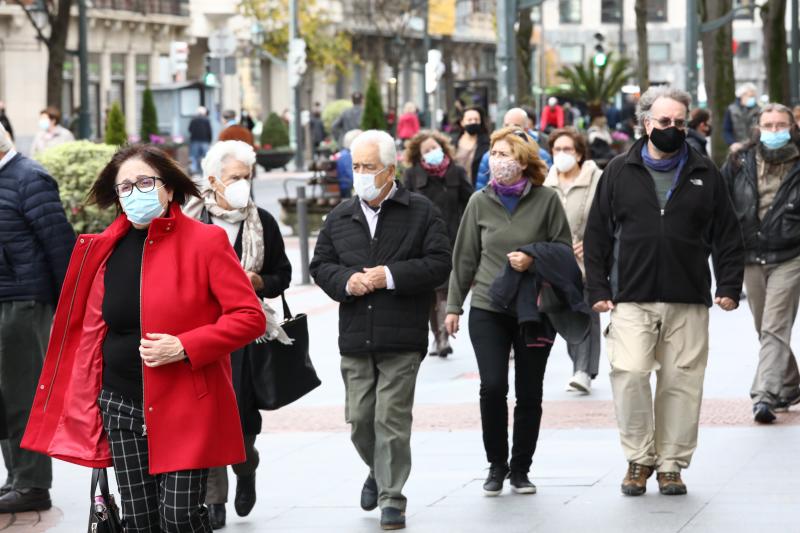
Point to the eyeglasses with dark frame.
(665, 122)
(143, 184)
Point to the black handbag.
(104, 513)
(283, 373)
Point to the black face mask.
(472, 129)
(668, 140)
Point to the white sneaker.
(581, 382)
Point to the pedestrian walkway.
(743, 477)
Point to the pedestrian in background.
(515, 117)
(116, 388)
(5, 122)
(233, 131)
(257, 241)
(574, 177)
(796, 113)
(381, 255)
(741, 116)
(350, 119)
(434, 174)
(660, 210)
(699, 130)
(764, 181)
(512, 212)
(344, 164)
(35, 243)
(472, 141)
(408, 125)
(317, 128)
(552, 116)
(50, 133)
(246, 120)
(199, 138)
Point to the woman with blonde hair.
(433, 173)
(512, 212)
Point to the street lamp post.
(294, 31)
(794, 68)
(83, 61)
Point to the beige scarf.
(252, 233)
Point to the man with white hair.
(380, 255)
(199, 138)
(741, 116)
(659, 211)
(36, 241)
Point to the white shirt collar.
(8, 157)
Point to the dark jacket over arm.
(412, 241)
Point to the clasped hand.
(159, 349)
(370, 280)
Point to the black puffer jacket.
(776, 238)
(410, 239)
(36, 239)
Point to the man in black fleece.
(660, 210)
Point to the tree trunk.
(641, 43)
(57, 46)
(448, 79)
(718, 72)
(523, 37)
(773, 17)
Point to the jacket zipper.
(141, 336)
(66, 326)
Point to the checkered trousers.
(169, 502)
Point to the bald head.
(516, 116)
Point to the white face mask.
(237, 194)
(364, 184)
(44, 124)
(564, 162)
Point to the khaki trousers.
(380, 395)
(672, 341)
(773, 292)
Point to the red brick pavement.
(587, 414)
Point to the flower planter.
(272, 159)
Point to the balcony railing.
(146, 7)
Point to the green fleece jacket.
(488, 232)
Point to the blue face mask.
(142, 207)
(434, 157)
(750, 102)
(775, 139)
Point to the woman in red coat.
(138, 372)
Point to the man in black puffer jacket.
(381, 255)
(35, 244)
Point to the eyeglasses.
(665, 122)
(564, 149)
(774, 126)
(522, 135)
(143, 184)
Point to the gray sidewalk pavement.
(744, 478)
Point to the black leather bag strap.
(100, 476)
(287, 314)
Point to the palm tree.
(595, 84)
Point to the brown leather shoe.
(635, 482)
(670, 483)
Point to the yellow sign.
(441, 17)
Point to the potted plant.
(275, 151)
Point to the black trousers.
(493, 335)
(171, 502)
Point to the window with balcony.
(569, 11)
(656, 10)
(570, 53)
(658, 52)
(611, 11)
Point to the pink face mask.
(505, 170)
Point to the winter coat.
(193, 287)
(635, 251)
(35, 236)
(411, 240)
(481, 148)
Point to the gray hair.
(5, 141)
(773, 107)
(746, 88)
(386, 147)
(224, 151)
(348, 138)
(654, 93)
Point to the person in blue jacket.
(344, 165)
(516, 116)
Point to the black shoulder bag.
(104, 513)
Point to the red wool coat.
(193, 287)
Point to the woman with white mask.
(575, 179)
(257, 241)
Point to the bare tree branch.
(42, 37)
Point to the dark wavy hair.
(175, 179)
(581, 148)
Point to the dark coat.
(450, 193)
(637, 252)
(36, 239)
(697, 140)
(552, 287)
(200, 130)
(481, 148)
(411, 240)
(776, 238)
(277, 275)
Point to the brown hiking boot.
(635, 482)
(670, 483)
